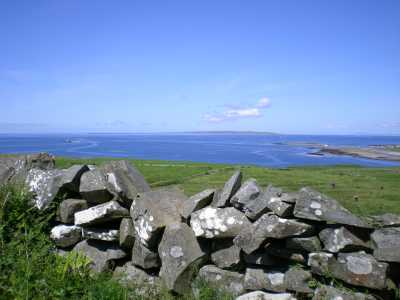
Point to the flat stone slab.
(101, 254)
(259, 279)
(247, 192)
(231, 282)
(315, 206)
(152, 211)
(107, 235)
(101, 213)
(180, 255)
(230, 188)
(66, 235)
(269, 226)
(197, 202)
(325, 292)
(68, 208)
(259, 295)
(387, 244)
(211, 222)
(341, 239)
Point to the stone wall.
(257, 243)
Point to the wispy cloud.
(230, 113)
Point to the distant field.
(362, 190)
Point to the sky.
(285, 66)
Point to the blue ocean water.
(261, 150)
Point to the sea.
(275, 151)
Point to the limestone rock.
(152, 211)
(225, 255)
(211, 222)
(387, 244)
(71, 177)
(232, 282)
(66, 236)
(126, 233)
(320, 262)
(230, 188)
(331, 293)
(386, 220)
(247, 192)
(68, 208)
(101, 213)
(144, 257)
(94, 187)
(101, 234)
(341, 239)
(101, 254)
(313, 205)
(269, 226)
(297, 279)
(130, 276)
(258, 279)
(360, 269)
(259, 295)
(124, 180)
(180, 255)
(306, 244)
(197, 202)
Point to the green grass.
(363, 191)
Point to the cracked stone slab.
(126, 233)
(315, 206)
(230, 188)
(196, 202)
(341, 239)
(144, 257)
(152, 211)
(102, 254)
(247, 192)
(211, 222)
(101, 213)
(101, 234)
(305, 244)
(68, 208)
(259, 295)
(259, 279)
(297, 279)
(325, 292)
(269, 226)
(360, 269)
(232, 282)
(66, 235)
(180, 255)
(387, 244)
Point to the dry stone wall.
(257, 243)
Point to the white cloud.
(239, 113)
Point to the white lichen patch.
(143, 229)
(61, 231)
(230, 221)
(103, 235)
(315, 205)
(176, 252)
(358, 265)
(276, 278)
(318, 212)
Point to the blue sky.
(316, 67)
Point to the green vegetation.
(362, 190)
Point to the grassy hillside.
(362, 190)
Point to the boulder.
(211, 222)
(126, 233)
(325, 292)
(100, 214)
(315, 206)
(269, 226)
(320, 262)
(180, 255)
(261, 258)
(66, 235)
(231, 187)
(133, 277)
(152, 211)
(247, 192)
(360, 269)
(297, 279)
(71, 177)
(259, 279)
(94, 187)
(387, 244)
(270, 200)
(101, 234)
(305, 244)
(102, 254)
(225, 255)
(231, 282)
(68, 208)
(341, 239)
(197, 202)
(144, 257)
(124, 180)
(259, 295)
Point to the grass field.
(362, 190)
